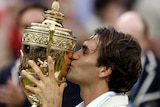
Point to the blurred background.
(82, 17)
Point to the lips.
(71, 66)
(69, 70)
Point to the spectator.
(9, 10)
(145, 93)
(150, 12)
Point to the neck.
(89, 93)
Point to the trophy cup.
(43, 39)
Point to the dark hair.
(122, 53)
(28, 7)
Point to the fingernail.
(26, 86)
(49, 58)
(23, 72)
(29, 61)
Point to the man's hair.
(122, 53)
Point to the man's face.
(83, 68)
(30, 16)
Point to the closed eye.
(85, 50)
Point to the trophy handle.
(51, 34)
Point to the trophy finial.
(55, 5)
(54, 13)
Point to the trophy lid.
(50, 31)
(54, 13)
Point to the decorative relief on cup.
(35, 37)
(59, 42)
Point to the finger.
(37, 70)
(27, 92)
(10, 83)
(62, 87)
(32, 89)
(35, 92)
(21, 83)
(30, 77)
(51, 68)
(2, 99)
(19, 69)
(4, 93)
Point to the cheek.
(81, 73)
(87, 73)
(86, 68)
(86, 63)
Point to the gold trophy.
(43, 39)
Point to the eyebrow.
(85, 47)
(92, 36)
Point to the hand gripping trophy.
(43, 39)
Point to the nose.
(75, 55)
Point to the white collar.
(99, 100)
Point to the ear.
(105, 71)
(148, 40)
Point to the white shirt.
(99, 100)
(14, 72)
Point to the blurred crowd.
(82, 17)
(9, 34)
(82, 21)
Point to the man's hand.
(48, 90)
(11, 94)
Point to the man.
(150, 12)
(146, 92)
(105, 68)
(9, 76)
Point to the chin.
(69, 77)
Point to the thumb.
(9, 81)
(62, 87)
